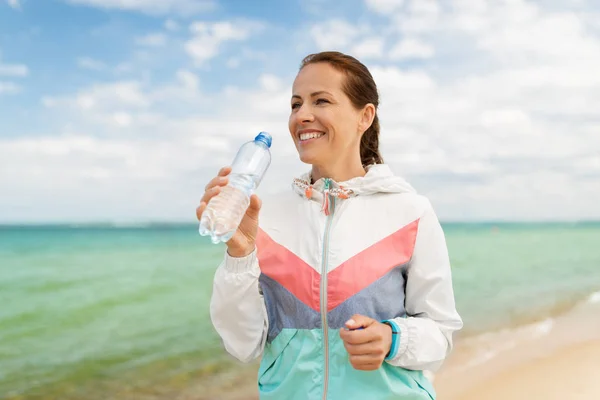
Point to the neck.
(339, 173)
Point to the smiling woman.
(330, 96)
(344, 287)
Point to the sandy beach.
(556, 358)
(571, 373)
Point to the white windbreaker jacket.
(327, 251)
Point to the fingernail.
(350, 322)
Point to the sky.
(120, 111)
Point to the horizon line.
(142, 224)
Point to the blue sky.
(121, 110)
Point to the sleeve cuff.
(405, 336)
(239, 265)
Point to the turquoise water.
(122, 313)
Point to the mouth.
(309, 135)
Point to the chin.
(308, 158)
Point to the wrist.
(241, 265)
(240, 252)
(395, 335)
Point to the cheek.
(343, 134)
(336, 122)
(293, 122)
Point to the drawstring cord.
(326, 204)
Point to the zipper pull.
(325, 204)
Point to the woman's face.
(324, 124)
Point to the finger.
(210, 193)
(359, 321)
(356, 337)
(224, 171)
(367, 367)
(254, 207)
(216, 181)
(363, 359)
(370, 348)
(199, 210)
(365, 363)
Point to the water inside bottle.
(225, 211)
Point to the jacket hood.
(378, 179)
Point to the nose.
(304, 115)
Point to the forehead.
(316, 77)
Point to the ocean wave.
(543, 328)
(489, 345)
(594, 298)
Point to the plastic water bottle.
(225, 211)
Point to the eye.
(295, 105)
(321, 101)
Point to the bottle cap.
(265, 138)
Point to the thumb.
(359, 321)
(254, 207)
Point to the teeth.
(311, 135)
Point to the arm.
(425, 336)
(237, 308)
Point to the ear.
(366, 117)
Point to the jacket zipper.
(323, 299)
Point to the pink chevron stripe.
(371, 264)
(287, 269)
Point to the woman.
(345, 288)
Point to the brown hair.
(360, 87)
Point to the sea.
(122, 312)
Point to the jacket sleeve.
(424, 337)
(237, 307)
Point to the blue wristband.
(395, 338)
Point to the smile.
(310, 135)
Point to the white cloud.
(16, 4)
(544, 37)
(233, 63)
(189, 79)
(133, 104)
(369, 48)
(384, 6)
(135, 157)
(152, 7)
(13, 70)
(419, 16)
(505, 119)
(9, 88)
(105, 102)
(105, 167)
(271, 83)
(171, 25)
(335, 34)
(152, 40)
(16, 70)
(245, 55)
(122, 119)
(209, 37)
(411, 48)
(396, 79)
(500, 123)
(91, 64)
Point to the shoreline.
(545, 360)
(555, 358)
(569, 373)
